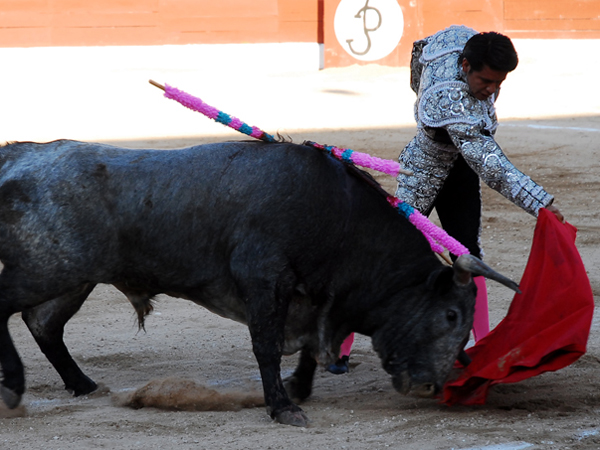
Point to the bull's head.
(419, 349)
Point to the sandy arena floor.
(550, 127)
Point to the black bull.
(281, 237)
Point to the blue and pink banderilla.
(438, 238)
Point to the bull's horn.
(468, 265)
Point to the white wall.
(101, 93)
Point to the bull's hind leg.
(13, 298)
(13, 382)
(47, 323)
(299, 384)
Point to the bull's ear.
(441, 280)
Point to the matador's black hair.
(490, 49)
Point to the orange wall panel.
(220, 8)
(156, 22)
(554, 25)
(255, 25)
(26, 37)
(483, 15)
(296, 32)
(538, 18)
(551, 10)
(86, 36)
(25, 23)
(19, 5)
(23, 19)
(103, 19)
(101, 5)
(298, 11)
(300, 21)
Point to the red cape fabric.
(547, 325)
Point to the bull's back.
(178, 213)
(199, 205)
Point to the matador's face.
(484, 82)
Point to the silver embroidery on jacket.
(444, 101)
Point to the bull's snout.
(402, 382)
(425, 390)
(404, 385)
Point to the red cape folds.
(547, 325)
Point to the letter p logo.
(368, 29)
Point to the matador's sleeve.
(487, 159)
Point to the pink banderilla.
(438, 238)
(196, 104)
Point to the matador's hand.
(554, 210)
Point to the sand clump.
(177, 394)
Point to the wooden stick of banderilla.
(158, 85)
(360, 159)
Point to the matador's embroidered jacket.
(451, 120)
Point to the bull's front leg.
(267, 349)
(266, 306)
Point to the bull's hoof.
(87, 386)
(11, 398)
(295, 418)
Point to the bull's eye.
(451, 315)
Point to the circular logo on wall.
(368, 29)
